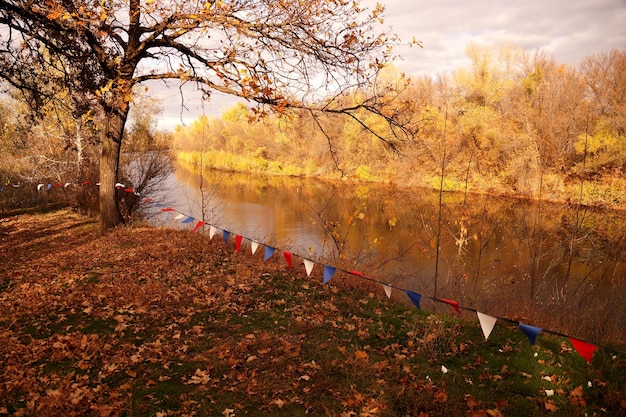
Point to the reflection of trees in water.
(511, 261)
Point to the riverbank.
(147, 321)
(607, 191)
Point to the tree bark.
(110, 215)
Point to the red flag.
(454, 304)
(288, 258)
(146, 200)
(238, 240)
(198, 225)
(585, 349)
(166, 209)
(357, 273)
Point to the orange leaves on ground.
(200, 377)
(576, 397)
(550, 406)
(470, 401)
(360, 354)
(441, 396)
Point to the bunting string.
(586, 349)
(487, 322)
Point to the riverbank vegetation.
(155, 322)
(512, 123)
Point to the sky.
(568, 30)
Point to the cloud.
(568, 30)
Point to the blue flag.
(226, 233)
(531, 332)
(329, 271)
(269, 251)
(415, 298)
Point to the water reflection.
(543, 263)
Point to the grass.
(152, 322)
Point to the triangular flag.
(415, 298)
(146, 200)
(179, 216)
(288, 256)
(387, 289)
(130, 190)
(225, 233)
(57, 184)
(188, 220)
(198, 225)
(39, 187)
(67, 184)
(531, 332)
(212, 231)
(269, 251)
(486, 323)
(329, 271)
(454, 304)
(238, 239)
(119, 185)
(308, 266)
(49, 186)
(585, 349)
(254, 246)
(167, 209)
(357, 273)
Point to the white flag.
(387, 290)
(212, 231)
(308, 266)
(254, 246)
(180, 216)
(486, 323)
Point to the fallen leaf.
(280, 403)
(360, 354)
(576, 397)
(550, 406)
(441, 397)
(470, 401)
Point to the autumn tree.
(605, 76)
(275, 53)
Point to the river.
(555, 266)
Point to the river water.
(555, 266)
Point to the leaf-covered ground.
(153, 322)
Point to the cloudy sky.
(568, 30)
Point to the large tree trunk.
(110, 215)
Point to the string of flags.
(487, 322)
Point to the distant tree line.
(513, 122)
